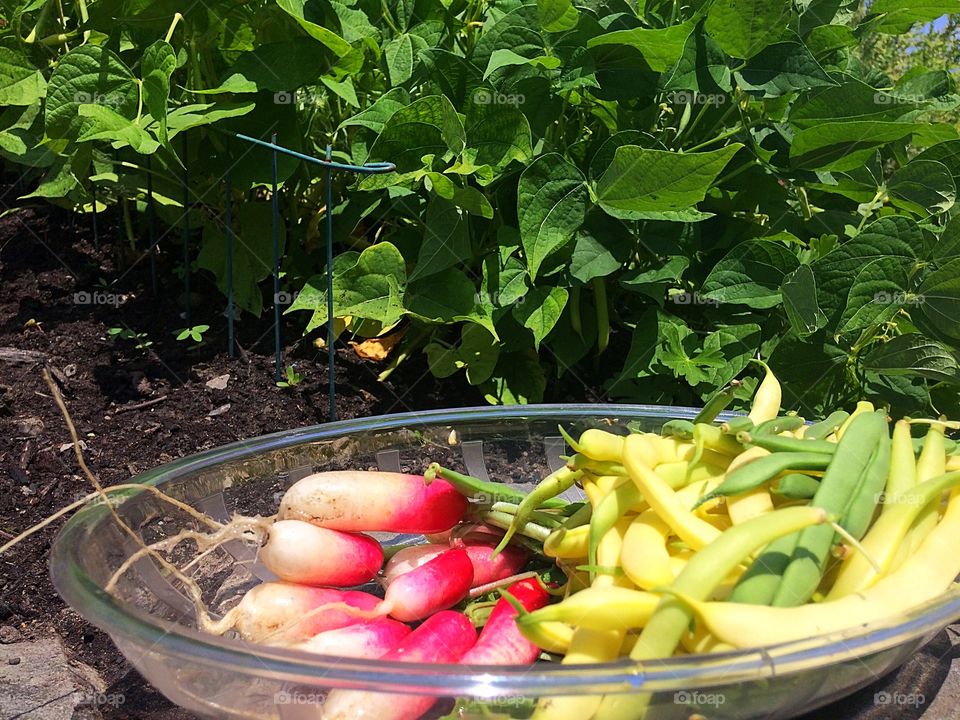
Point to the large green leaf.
(701, 68)
(88, 75)
(601, 247)
(496, 135)
(745, 27)
(20, 82)
(557, 15)
(799, 291)
(105, 124)
(452, 300)
(781, 69)
(845, 145)
(280, 66)
(661, 48)
(311, 20)
(446, 239)
(517, 380)
(924, 187)
(894, 236)
(428, 126)
(878, 291)
(914, 354)
(939, 301)
(551, 206)
(371, 289)
(901, 15)
(478, 352)
(947, 153)
(850, 101)
(751, 274)
(642, 180)
(376, 116)
(540, 311)
(158, 63)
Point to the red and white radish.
(439, 583)
(500, 641)
(374, 501)
(282, 613)
(300, 552)
(363, 640)
(442, 638)
(486, 568)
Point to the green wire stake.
(331, 355)
(228, 218)
(96, 233)
(275, 227)
(186, 235)
(151, 227)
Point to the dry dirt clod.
(9, 635)
(219, 382)
(29, 426)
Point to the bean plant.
(640, 197)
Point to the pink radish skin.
(299, 552)
(270, 606)
(374, 501)
(500, 642)
(409, 559)
(363, 640)
(486, 569)
(440, 583)
(442, 638)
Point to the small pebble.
(13, 661)
(9, 635)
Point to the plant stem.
(722, 136)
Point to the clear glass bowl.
(154, 626)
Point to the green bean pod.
(756, 473)
(850, 488)
(678, 428)
(784, 423)
(828, 426)
(741, 423)
(796, 486)
(608, 511)
(784, 443)
(716, 404)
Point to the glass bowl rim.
(122, 621)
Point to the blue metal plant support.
(329, 166)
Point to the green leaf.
(428, 126)
(20, 82)
(661, 48)
(517, 380)
(745, 27)
(452, 300)
(781, 69)
(540, 311)
(446, 239)
(496, 135)
(297, 9)
(914, 354)
(939, 301)
(655, 281)
(845, 145)
(877, 293)
(750, 274)
(354, 23)
(601, 246)
(736, 344)
(850, 101)
(924, 187)
(799, 291)
(551, 206)
(376, 116)
(947, 246)
(701, 68)
(478, 352)
(88, 75)
(398, 54)
(343, 88)
(372, 289)
(504, 281)
(158, 63)
(895, 236)
(105, 124)
(557, 15)
(186, 117)
(277, 66)
(641, 179)
(682, 354)
(901, 15)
